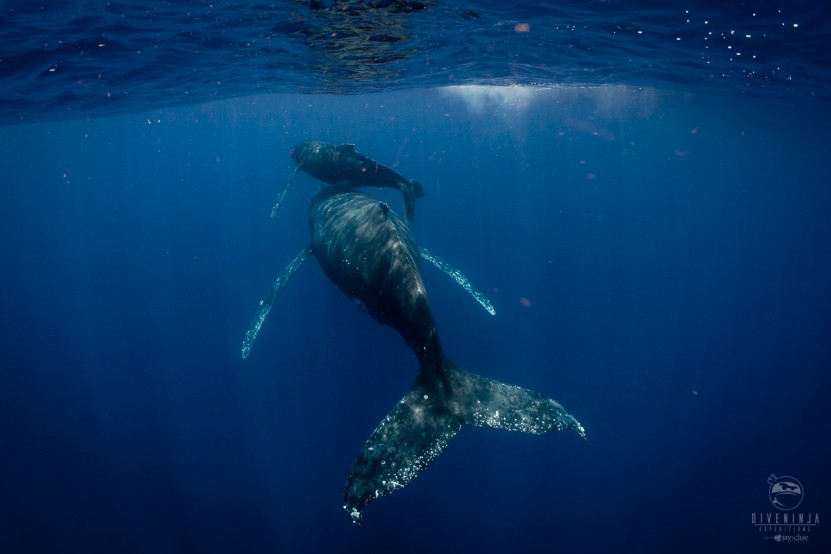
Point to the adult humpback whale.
(369, 253)
(340, 165)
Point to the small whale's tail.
(412, 190)
(417, 188)
(423, 423)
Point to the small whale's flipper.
(283, 193)
(271, 297)
(457, 276)
(424, 422)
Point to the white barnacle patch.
(417, 414)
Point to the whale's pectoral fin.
(283, 192)
(271, 297)
(412, 435)
(457, 276)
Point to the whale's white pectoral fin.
(457, 276)
(283, 192)
(412, 435)
(267, 302)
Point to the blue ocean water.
(649, 218)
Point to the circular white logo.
(785, 492)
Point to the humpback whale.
(370, 254)
(340, 165)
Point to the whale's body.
(369, 253)
(341, 165)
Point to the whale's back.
(369, 252)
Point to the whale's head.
(313, 150)
(302, 151)
(295, 152)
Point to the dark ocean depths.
(642, 190)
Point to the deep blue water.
(657, 253)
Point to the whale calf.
(341, 165)
(370, 254)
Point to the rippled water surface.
(73, 59)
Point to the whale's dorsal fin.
(267, 302)
(457, 276)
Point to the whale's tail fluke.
(417, 188)
(412, 190)
(424, 422)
